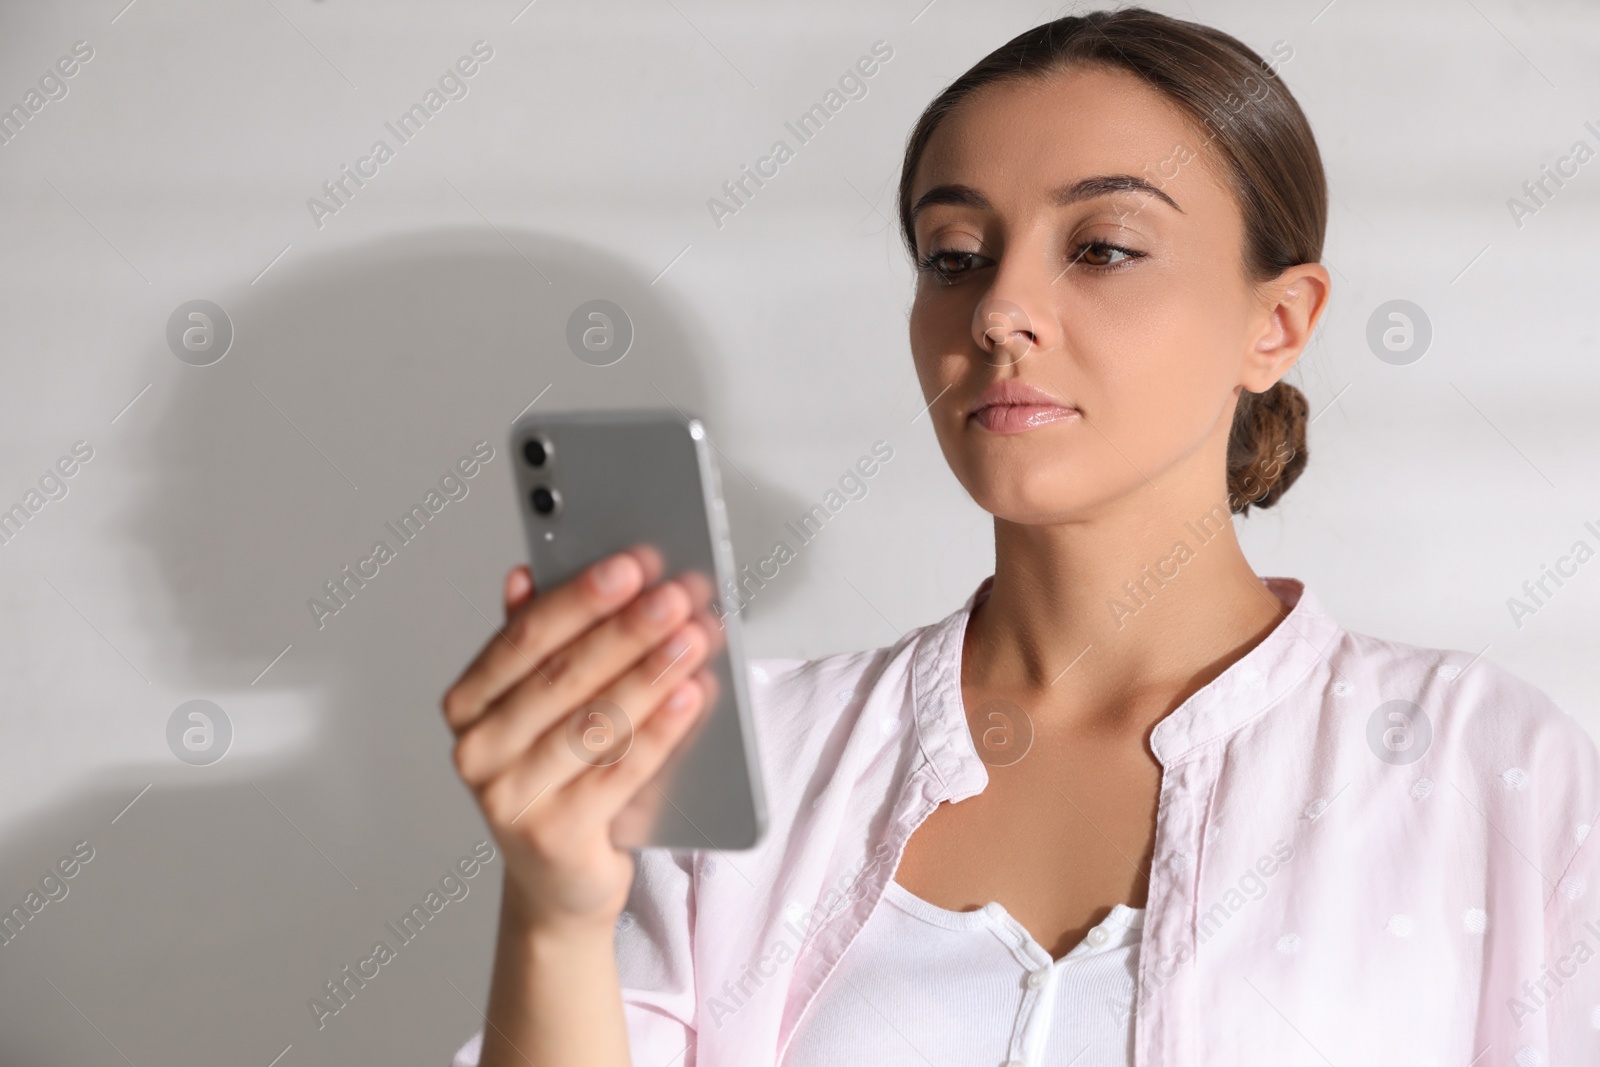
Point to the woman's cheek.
(1146, 402)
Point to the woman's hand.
(526, 711)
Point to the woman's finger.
(518, 588)
(654, 742)
(599, 735)
(576, 674)
(544, 624)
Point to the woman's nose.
(1003, 330)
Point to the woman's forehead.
(1037, 133)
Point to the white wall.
(373, 350)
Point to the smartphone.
(591, 483)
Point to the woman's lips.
(1015, 418)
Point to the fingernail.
(657, 604)
(611, 575)
(679, 700)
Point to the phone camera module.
(544, 500)
(536, 452)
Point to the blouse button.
(1038, 978)
(1098, 936)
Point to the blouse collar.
(1259, 680)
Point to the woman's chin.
(1027, 505)
(1033, 494)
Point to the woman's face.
(1050, 264)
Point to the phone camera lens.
(535, 452)
(544, 500)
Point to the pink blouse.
(1366, 852)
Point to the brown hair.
(1264, 145)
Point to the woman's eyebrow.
(1102, 184)
(964, 195)
(1082, 189)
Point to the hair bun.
(1267, 446)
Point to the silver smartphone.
(591, 483)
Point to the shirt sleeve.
(654, 962)
(655, 959)
(1568, 986)
(467, 1055)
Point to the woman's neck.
(1115, 615)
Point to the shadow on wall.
(228, 895)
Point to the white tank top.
(922, 985)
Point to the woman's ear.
(1292, 304)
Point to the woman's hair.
(1264, 144)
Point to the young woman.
(1130, 804)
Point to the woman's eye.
(1100, 254)
(946, 265)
